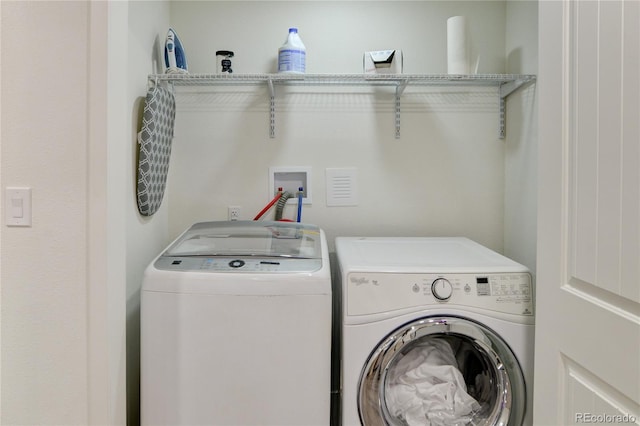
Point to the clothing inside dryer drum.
(440, 380)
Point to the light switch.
(18, 210)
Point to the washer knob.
(236, 263)
(442, 289)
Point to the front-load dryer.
(236, 327)
(435, 331)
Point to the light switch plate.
(17, 206)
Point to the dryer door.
(442, 370)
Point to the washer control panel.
(237, 265)
(370, 293)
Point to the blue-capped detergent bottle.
(292, 54)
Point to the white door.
(588, 283)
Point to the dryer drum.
(442, 370)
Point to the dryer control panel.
(374, 293)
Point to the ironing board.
(154, 141)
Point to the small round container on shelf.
(223, 61)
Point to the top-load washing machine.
(236, 327)
(435, 331)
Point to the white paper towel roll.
(457, 46)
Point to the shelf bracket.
(505, 90)
(399, 89)
(272, 109)
(511, 86)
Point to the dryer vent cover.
(155, 139)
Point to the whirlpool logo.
(358, 281)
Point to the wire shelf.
(342, 79)
(505, 83)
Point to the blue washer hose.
(300, 191)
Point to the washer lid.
(249, 239)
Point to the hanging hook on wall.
(159, 80)
(152, 81)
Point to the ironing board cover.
(155, 148)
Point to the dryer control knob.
(442, 289)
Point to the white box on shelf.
(383, 62)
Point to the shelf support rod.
(503, 113)
(399, 89)
(272, 109)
